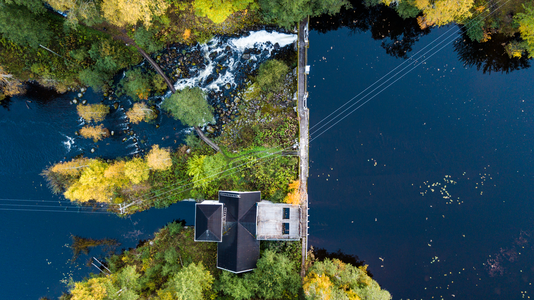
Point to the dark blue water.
(430, 182)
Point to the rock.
(188, 151)
(110, 98)
(157, 125)
(106, 94)
(80, 95)
(210, 129)
(228, 86)
(75, 101)
(82, 90)
(246, 56)
(84, 101)
(112, 132)
(124, 140)
(93, 150)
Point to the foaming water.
(228, 52)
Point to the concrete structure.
(278, 221)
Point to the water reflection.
(490, 56)
(398, 35)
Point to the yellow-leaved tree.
(115, 174)
(129, 12)
(159, 158)
(96, 133)
(92, 184)
(293, 197)
(93, 112)
(136, 170)
(318, 286)
(140, 112)
(92, 289)
(442, 12)
(219, 10)
(71, 168)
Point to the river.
(431, 181)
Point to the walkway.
(304, 121)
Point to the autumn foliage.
(129, 12)
(159, 158)
(294, 196)
(96, 133)
(140, 112)
(84, 179)
(93, 112)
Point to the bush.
(271, 75)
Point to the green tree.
(20, 25)
(205, 169)
(526, 27)
(145, 38)
(220, 10)
(35, 6)
(271, 75)
(190, 107)
(190, 283)
(136, 170)
(275, 276)
(288, 12)
(239, 288)
(137, 84)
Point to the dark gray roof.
(239, 251)
(208, 222)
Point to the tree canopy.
(219, 10)
(129, 12)
(288, 12)
(96, 133)
(190, 107)
(93, 112)
(338, 280)
(271, 75)
(20, 25)
(274, 277)
(159, 158)
(140, 112)
(526, 27)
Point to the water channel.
(429, 182)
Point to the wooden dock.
(304, 124)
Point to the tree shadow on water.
(490, 56)
(321, 254)
(398, 35)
